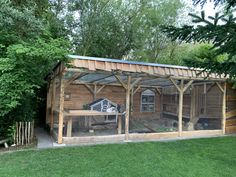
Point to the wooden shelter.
(156, 101)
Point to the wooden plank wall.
(230, 110)
(171, 101)
(80, 96)
(206, 106)
(137, 114)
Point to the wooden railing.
(24, 133)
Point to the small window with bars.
(148, 101)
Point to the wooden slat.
(202, 133)
(152, 136)
(230, 129)
(231, 113)
(88, 113)
(61, 111)
(93, 139)
(91, 65)
(100, 65)
(69, 128)
(231, 98)
(230, 122)
(119, 127)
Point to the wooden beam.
(74, 77)
(220, 87)
(136, 89)
(61, 110)
(176, 86)
(158, 91)
(96, 81)
(180, 114)
(94, 92)
(119, 85)
(187, 85)
(131, 101)
(135, 82)
(121, 82)
(89, 88)
(193, 105)
(100, 89)
(224, 109)
(127, 112)
(151, 75)
(119, 128)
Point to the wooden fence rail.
(24, 133)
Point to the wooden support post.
(95, 92)
(180, 114)
(119, 128)
(53, 95)
(223, 90)
(132, 101)
(127, 112)
(182, 88)
(61, 111)
(161, 114)
(69, 127)
(193, 105)
(205, 98)
(224, 109)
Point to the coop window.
(148, 101)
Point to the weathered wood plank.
(230, 129)
(127, 106)
(231, 113)
(223, 108)
(69, 128)
(61, 111)
(230, 122)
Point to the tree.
(220, 30)
(121, 29)
(29, 46)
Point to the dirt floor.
(147, 125)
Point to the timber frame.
(97, 73)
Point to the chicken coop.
(99, 100)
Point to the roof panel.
(154, 69)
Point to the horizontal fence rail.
(24, 133)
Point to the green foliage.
(229, 3)
(121, 29)
(31, 43)
(11, 132)
(220, 30)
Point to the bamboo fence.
(24, 133)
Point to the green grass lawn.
(213, 157)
